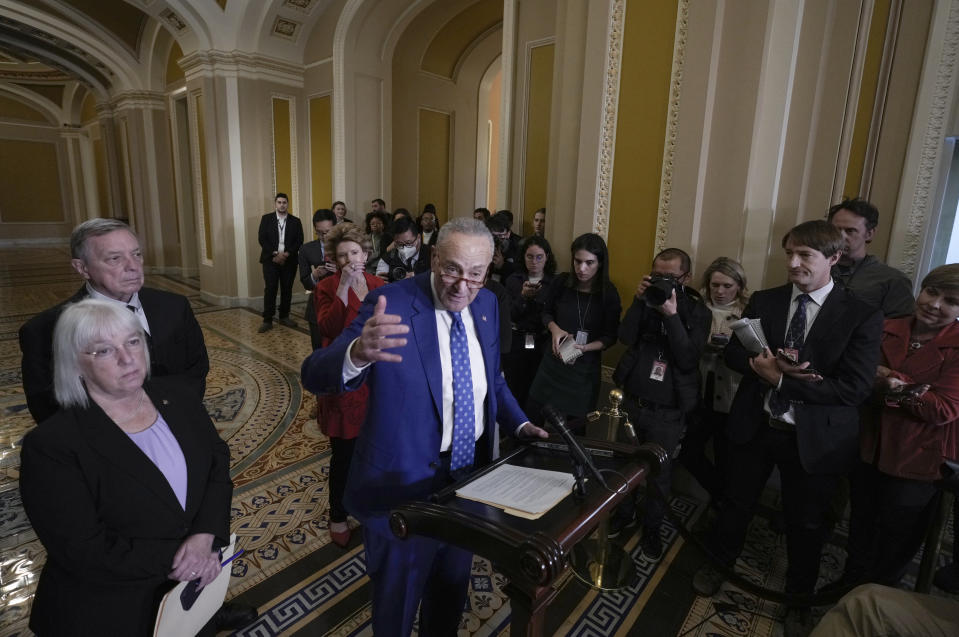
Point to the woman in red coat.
(338, 300)
(908, 429)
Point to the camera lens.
(658, 292)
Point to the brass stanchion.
(596, 561)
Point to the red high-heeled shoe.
(340, 538)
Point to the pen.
(231, 558)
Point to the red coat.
(340, 415)
(911, 442)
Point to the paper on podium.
(521, 491)
(175, 621)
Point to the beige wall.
(765, 120)
(719, 139)
(35, 177)
(32, 192)
(535, 28)
(456, 97)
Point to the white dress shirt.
(133, 302)
(281, 230)
(477, 368)
(817, 298)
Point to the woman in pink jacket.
(907, 430)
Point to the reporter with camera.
(665, 330)
(406, 258)
(581, 311)
(907, 430)
(506, 253)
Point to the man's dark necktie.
(464, 418)
(795, 336)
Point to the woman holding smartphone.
(530, 338)
(906, 432)
(724, 289)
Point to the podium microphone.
(580, 456)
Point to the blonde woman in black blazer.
(122, 519)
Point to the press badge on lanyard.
(530, 340)
(658, 372)
(582, 337)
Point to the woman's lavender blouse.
(160, 446)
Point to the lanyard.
(580, 314)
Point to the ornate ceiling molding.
(672, 124)
(607, 144)
(173, 20)
(924, 193)
(239, 64)
(286, 29)
(140, 100)
(48, 76)
(34, 43)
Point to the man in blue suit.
(436, 396)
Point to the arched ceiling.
(459, 34)
(108, 45)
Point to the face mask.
(407, 252)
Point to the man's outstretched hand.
(381, 332)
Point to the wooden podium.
(531, 553)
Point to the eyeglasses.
(410, 244)
(109, 352)
(535, 257)
(451, 277)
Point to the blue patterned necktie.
(464, 418)
(795, 336)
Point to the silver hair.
(464, 225)
(93, 228)
(80, 325)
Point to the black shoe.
(287, 321)
(798, 622)
(947, 578)
(651, 544)
(617, 523)
(707, 580)
(265, 327)
(233, 616)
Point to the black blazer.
(311, 254)
(843, 345)
(176, 347)
(269, 237)
(108, 518)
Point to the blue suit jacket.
(397, 452)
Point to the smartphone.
(786, 357)
(789, 358)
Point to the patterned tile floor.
(301, 583)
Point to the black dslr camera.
(399, 273)
(660, 289)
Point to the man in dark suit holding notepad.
(797, 407)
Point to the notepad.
(176, 617)
(749, 331)
(521, 491)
